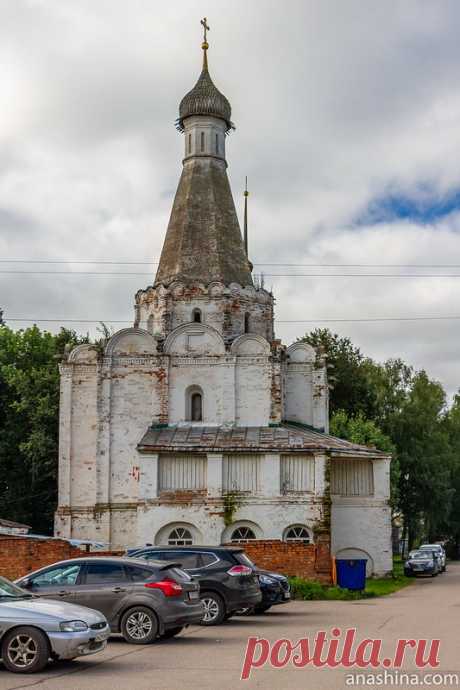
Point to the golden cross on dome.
(204, 23)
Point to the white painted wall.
(361, 526)
(107, 405)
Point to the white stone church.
(196, 425)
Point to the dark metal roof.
(13, 525)
(204, 99)
(284, 438)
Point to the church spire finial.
(205, 44)
(246, 194)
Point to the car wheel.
(261, 609)
(25, 650)
(139, 625)
(172, 632)
(214, 608)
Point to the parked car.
(439, 549)
(33, 630)
(275, 590)
(141, 600)
(422, 563)
(227, 579)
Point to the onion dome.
(205, 99)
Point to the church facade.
(196, 425)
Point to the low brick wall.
(311, 561)
(21, 556)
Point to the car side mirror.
(26, 583)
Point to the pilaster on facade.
(65, 433)
(381, 467)
(214, 474)
(270, 480)
(148, 476)
(103, 467)
(320, 394)
(321, 462)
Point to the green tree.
(360, 430)
(29, 412)
(452, 427)
(375, 403)
(347, 373)
(424, 454)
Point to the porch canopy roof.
(288, 438)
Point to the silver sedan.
(34, 630)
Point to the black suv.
(226, 576)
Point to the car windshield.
(428, 547)
(10, 591)
(421, 556)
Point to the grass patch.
(309, 590)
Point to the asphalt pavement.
(212, 658)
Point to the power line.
(114, 262)
(278, 321)
(266, 275)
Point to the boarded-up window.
(241, 473)
(182, 472)
(352, 477)
(297, 473)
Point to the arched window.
(242, 534)
(298, 533)
(194, 404)
(217, 143)
(197, 407)
(202, 141)
(196, 315)
(190, 143)
(246, 323)
(180, 536)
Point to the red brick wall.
(311, 561)
(21, 556)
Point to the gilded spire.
(204, 98)
(205, 44)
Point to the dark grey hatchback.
(143, 601)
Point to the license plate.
(418, 567)
(193, 595)
(287, 595)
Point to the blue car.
(422, 563)
(275, 590)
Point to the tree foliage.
(394, 408)
(29, 412)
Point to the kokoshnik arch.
(196, 425)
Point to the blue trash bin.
(351, 573)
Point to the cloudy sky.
(348, 127)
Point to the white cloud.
(336, 104)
